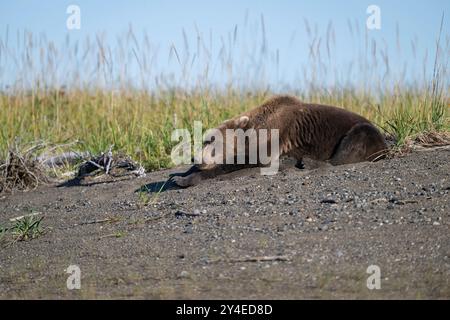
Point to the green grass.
(140, 122)
(408, 118)
(23, 229)
(142, 126)
(27, 228)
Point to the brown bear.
(319, 132)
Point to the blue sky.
(284, 23)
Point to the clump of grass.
(422, 119)
(410, 118)
(27, 228)
(23, 228)
(418, 123)
(144, 198)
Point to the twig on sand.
(395, 201)
(380, 154)
(253, 259)
(110, 157)
(95, 164)
(96, 221)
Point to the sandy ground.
(319, 230)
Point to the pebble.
(327, 200)
(184, 274)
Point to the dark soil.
(319, 230)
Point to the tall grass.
(103, 94)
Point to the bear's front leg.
(195, 175)
(190, 180)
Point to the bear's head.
(224, 141)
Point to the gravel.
(196, 243)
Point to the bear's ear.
(242, 122)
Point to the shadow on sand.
(80, 182)
(158, 187)
(169, 184)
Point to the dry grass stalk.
(426, 140)
(431, 139)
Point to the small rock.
(327, 200)
(184, 274)
(188, 228)
(180, 213)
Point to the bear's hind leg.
(363, 142)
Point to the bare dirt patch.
(299, 234)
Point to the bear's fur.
(319, 132)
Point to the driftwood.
(27, 167)
(107, 162)
(62, 159)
